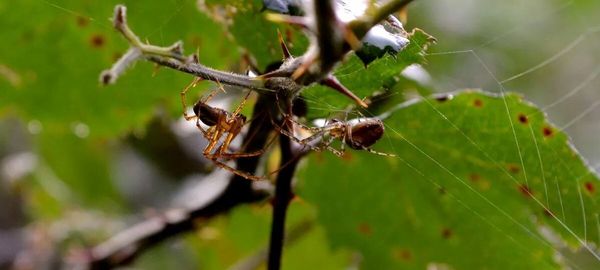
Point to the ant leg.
(239, 107)
(305, 141)
(183, 98)
(241, 154)
(238, 172)
(221, 151)
(212, 142)
(236, 154)
(376, 152)
(327, 145)
(210, 96)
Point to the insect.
(358, 134)
(221, 125)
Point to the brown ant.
(221, 123)
(358, 134)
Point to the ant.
(220, 122)
(358, 134)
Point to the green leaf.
(247, 23)
(459, 192)
(59, 54)
(363, 80)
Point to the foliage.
(478, 180)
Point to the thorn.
(351, 38)
(303, 68)
(403, 15)
(274, 73)
(332, 82)
(286, 52)
(176, 48)
(280, 18)
(120, 16)
(195, 58)
(221, 86)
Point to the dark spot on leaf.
(401, 254)
(82, 21)
(97, 41)
(589, 186)
(347, 156)
(474, 177)
(365, 229)
(27, 36)
(513, 168)
(478, 103)
(525, 190)
(442, 191)
(446, 233)
(319, 157)
(523, 119)
(547, 131)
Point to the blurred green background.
(78, 161)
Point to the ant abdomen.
(208, 115)
(365, 133)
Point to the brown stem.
(290, 156)
(124, 247)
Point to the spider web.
(561, 74)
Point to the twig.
(210, 74)
(291, 153)
(124, 247)
(283, 196)
(171, 56)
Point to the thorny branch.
(124, 247)
(315, 66)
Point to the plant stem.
(125, 246)
(210, 74)
(283, 196)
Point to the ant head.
(208, 115)
(366, 133)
